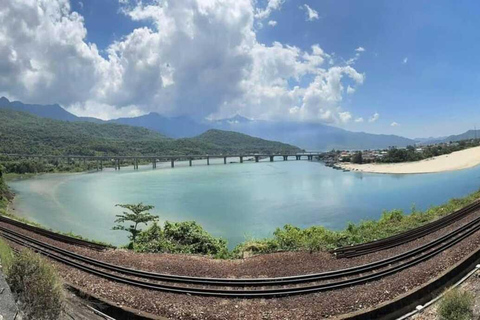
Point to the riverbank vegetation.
(5, 194)
(316, 238)
(34, 283)
(175, 237)
(186, 237)
(410, 153)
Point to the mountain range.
(310, 136)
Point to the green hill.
(234, 141)
(28, 134)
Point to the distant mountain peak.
(4, 100)
(236, 119)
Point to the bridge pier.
(173, 163)
(118, 164)
(256, 158)
(154, 163)
(224, 160)
(271, 158)
(101, 165)
(241, 159)
(208, 160)
(190, 162)
(285, 158)
(298, 157)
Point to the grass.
(456, 304)
(6, 256)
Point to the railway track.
(399, 239)
(56, 236)
(236, 288)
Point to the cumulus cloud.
(272, 5)
(394, 124)
(360, 49)
(272, 23)
(405, 60)
(345, 116)
(311, 14)
(200, 58)
(350, 90)
(375, 117)
(359, 120)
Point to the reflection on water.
(233, 201)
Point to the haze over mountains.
(310, 136)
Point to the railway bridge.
(118, 161)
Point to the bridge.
(119, 160)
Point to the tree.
(357, 158)
(137, 215)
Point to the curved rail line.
(438, 246)
(56, 236)
(404, 237)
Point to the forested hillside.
(234, 141)
(25, 133)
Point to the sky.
(397, 67)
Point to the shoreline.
(458, 160)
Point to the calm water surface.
(234, 201)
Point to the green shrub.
(36, 286)
(180, 237)
(456, 305)
(6, 256)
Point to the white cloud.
(360, 49)
(80, 4)
(272, 5)
(310, 13)
(272, 23)
(345, 116)
(375, 117)
(350, 90)
(200, 58)
(359, 120)
(405, 60)
(394, 124)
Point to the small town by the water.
(239, 159)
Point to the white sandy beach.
(455, 161)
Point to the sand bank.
(449, 162)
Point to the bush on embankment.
(456, 304)
(34, 282)
(5, 194)
(180, 237)
(316, 238)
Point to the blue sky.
(412, 63)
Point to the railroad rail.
(280, 286)
(402, 238)
(56, 236)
